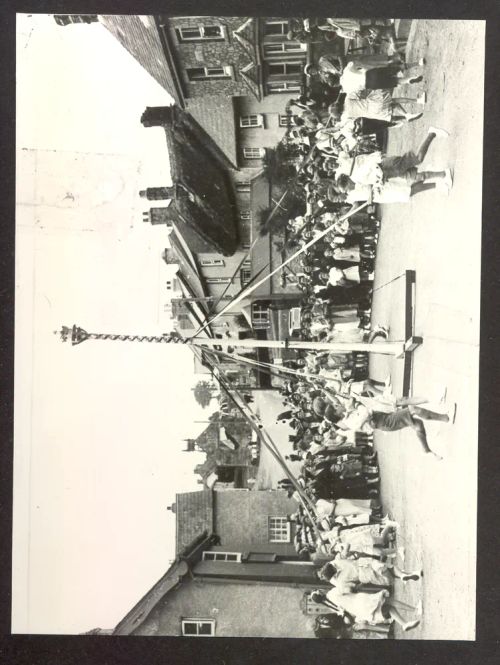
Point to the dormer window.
(201, 33)
(235, 557)
(208, 73)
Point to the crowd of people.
(337, 133)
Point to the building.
(230, 79)
(201, 196)
(226, 443)
(69, 19)
(236, 572)
(232, 74)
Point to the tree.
(203, 393)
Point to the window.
(283, 47)
(284, 68)
(218, 280)
(273, 28)
(198, 627)
(261, 557)
(287, 120)
(207, 263)
(208, 73)
(255, 120)
(279, 530)
(246, 229)
(200, 33)
(222, 556)
(253, 153)
(243, 186)
(260, 316)
(245, 276)
(282, 86)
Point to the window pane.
(195, 73)
(252, 153)
(190, 628)
(276, 28)
(269, 49)
(282, 86)
(232, 557)
(249, 121)
(205, 629)
(212, 31)
(190, 33)
(215, 71)
(276, 69)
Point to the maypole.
(78, 335)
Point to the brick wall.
(193, 516)
(241, 520)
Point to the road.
(434, 502)
(440, 237)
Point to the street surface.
(435, 502)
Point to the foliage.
(241, 322)
(291, 206)
(203, 393)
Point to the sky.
(99, 427)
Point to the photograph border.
(83, 649)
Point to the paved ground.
(268, 404)
(434, 502)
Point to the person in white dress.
(379, 105)
(357, 76)
(367, 607)
(348, 574)
(391, 179)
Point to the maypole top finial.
(78, 335)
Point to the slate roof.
(246, 36)
(141, 38)
(172, 578)
(209, 210)
(215, 114)
(196, 243)
(194, 515)
(250, 74)
(189, 272)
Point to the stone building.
(233, 77)
(236, 573)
